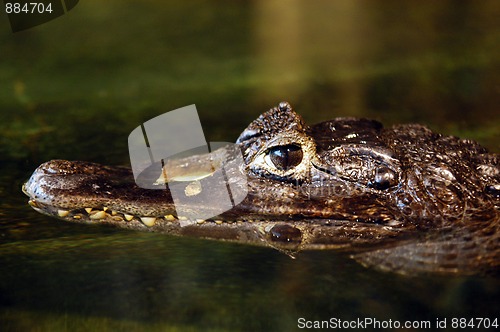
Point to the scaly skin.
(403, 199)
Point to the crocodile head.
(401, 198)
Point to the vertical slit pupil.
(286, 157)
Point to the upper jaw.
(74, 186)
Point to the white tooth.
(62, 213)
(200, 221)
(98, 215)
(114, 213)
(88, 210)
(105, 209)
(148, 221)
(169, 217)
(218, 222)
(128, 217)
(77, 216)
(182, 218)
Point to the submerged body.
(403, 198)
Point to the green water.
(74, 88)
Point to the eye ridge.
(285, 157)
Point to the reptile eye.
(284, 157)
(384, 178)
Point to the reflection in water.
(185, 282)
(277, 33)
(297, 45)
(420, 63)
